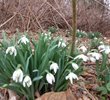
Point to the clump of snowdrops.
(97, 52)
(28, 66)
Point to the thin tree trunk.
(74, 25)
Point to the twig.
(89, 94)
(60, 15)
(8, 20)
(97, 1)
(35, 18)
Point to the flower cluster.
(92, 56)
(12, 50)
(44, 62)
(18, 77)
(54, 66)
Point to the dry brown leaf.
(67, 95)
(91, 86)
(12, 95)
(88, 74)
(80, 99)
(85, 97)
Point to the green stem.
(74, 25)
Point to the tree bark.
(74, 24)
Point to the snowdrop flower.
(61, 44)
(50, 78)
(75, 66)
(95, 38)
(78, 30)
(11, 50)
(71, 76)
(54, 67)
(101, 48)
(92, 59)
(17, 75)
(81, 56)
(47, 35)
(83, 49)
(23, 40)
(104, 48)
(107, 49)
(96, 55)
(27, 81)
(101, 42)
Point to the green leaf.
(103, 90)
(27, 63)
(108, 86)
(37, 78)
(21, 57)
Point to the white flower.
(50, 78)
(101, 48)
(101, 42)
(11, 50)
(78, 30)
(83, 49)
(61, 44)
(95, 38)
(104, 48)
(96, 55)
(23, 40)
(27, 81)
(71, 76)
(75, 66)
(54, 67)
(47, 35)
(107, 49)
(17, 75)
(81, 56)
(92, 59)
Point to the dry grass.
(40, 14)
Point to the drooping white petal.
(101, 48)
(101, 42)
(61, 44)
(104, 48)
(107, 49)
(75, 66)
(50, 78)
(96, 55)
(23, 39)
(54, 67)
(92, 59)
(82, 56)
(11, 50)
(71, 76)
(27, 81)
(83, 49)
(17, 75)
